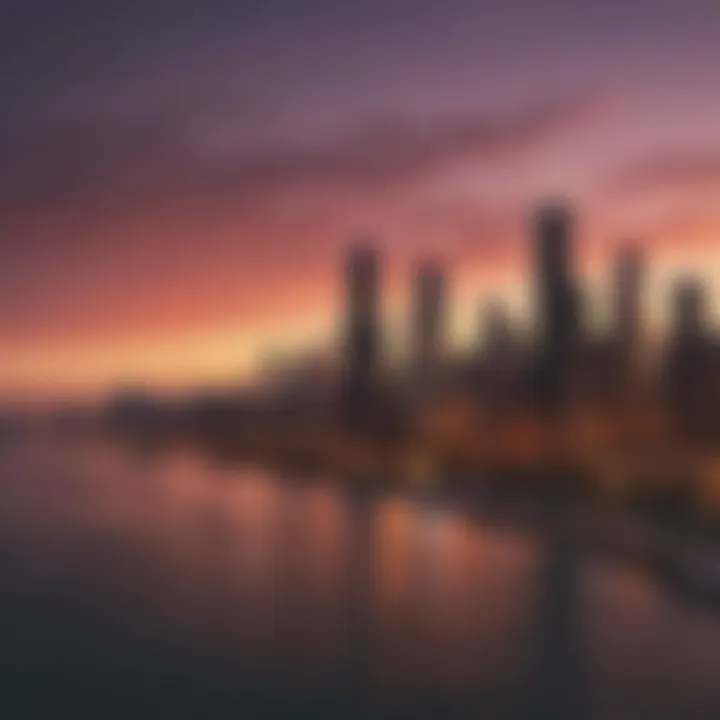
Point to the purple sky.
(179, 180)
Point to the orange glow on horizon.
(207, 342)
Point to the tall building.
(495, 327)
(362, 341)
(557, 305)
(428, 321)
(500, 358)
(689, 358)
(629, 274)
(689, 310)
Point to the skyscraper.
(628, 292)
(428, 320)
(361, 333)
(688, 370)
(557, 305)
(629, 273)
(689, 310)
(500, 359)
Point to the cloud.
(675, 170)
(114, 226)
(164, 160)
(400, 152)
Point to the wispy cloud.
(674, 170)
(160, 160)
(110, 227)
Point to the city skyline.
(419, 330)
(168, 227)
(360, 359)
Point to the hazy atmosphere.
(179, 180)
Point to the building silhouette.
(629, 274)
(429, 304)
(499, 373)
(495, 327)
(627, 321)
(689, 310)
(689, 358)
(362, 334)
(557, 306)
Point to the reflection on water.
(164, 586)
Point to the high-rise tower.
(628, 279)
(689, 360)
(361, 332)
(557, 305)
(428, 321)
(689, 310)
(629, 274)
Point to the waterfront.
(158, 585)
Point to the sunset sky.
(179, 180)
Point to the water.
(169, 586)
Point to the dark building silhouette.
(495, 327)
(688, 362)
(629, 273)
(558, 302)
(500, 363)
(362, 334)
(627, 308)
(428, 322)
(689, 309)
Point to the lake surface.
(170, 586)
